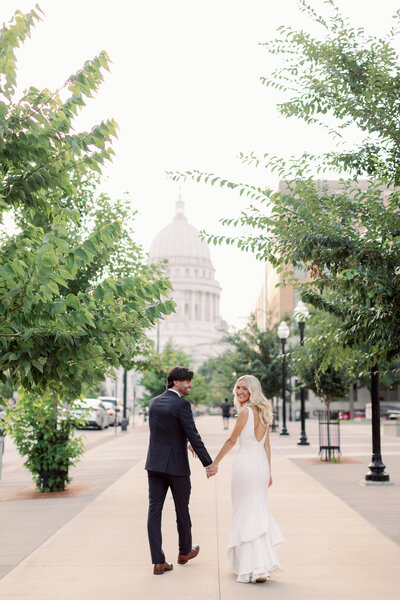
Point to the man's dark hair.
(178, 374)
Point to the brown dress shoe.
(183, 558)
(160, 568)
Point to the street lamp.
(124, 423)
(376, 467)
(274, 424)
(301, 314)
(283, 333)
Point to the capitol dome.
(180, 240)
(195, 327)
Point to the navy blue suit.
(171, 426)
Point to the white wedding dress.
(254, 533)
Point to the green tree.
(347, 240)
(155, 377)
(339, 78)
(63, 318)
(220, 376)
(257, 353)
(252, 352)
(314, 365)
(47, 442)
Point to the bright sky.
(184, 88)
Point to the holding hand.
(211, 470)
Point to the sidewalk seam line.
(216, 520)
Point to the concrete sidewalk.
(331, 552)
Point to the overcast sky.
(184, 88)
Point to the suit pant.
(159, 483)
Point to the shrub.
(44, 434)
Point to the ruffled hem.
(259, 574)
(244, 522)
(254, 560)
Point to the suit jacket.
(171, 426)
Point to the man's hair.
(178, 374)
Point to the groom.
(171, 426)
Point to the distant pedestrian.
(226, 409)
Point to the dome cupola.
(180, 240)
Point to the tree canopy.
(67, 311)
(253, 352)
(344, 235)
(314, 365)
(154, 378)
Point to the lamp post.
(301, 314)
(124, 423)
(274, 424)
(376, 467)
(283, 333)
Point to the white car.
(94, 413)
(109, 401)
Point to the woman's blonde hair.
(257, 398)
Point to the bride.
(254, 532)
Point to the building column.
(216, 306)
(207, 306)
(193, 303)
(201, 306)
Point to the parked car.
(395, 414)
(389, 411)
(112, 414)
(93, 412)
(359, 413)
(109, 401)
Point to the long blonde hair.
(257, 398)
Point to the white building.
(196, 326)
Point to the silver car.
(93, 412)
(110, 401)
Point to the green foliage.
(39, 146)
(199, 394)
(316, 368)
(346, 240)
(46, 438)
(76, 297)
(347, 76)
(6, 390)
(70, 307)
(53, 338)
(220, 376)
(252, 352)
(154, 379)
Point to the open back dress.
(253, 533)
